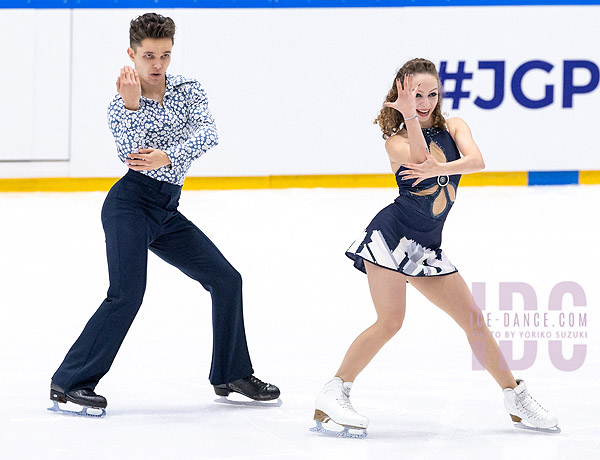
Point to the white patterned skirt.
(404, 241)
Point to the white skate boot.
(523, 408)
(333, 403)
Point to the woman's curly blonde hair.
(389, 120)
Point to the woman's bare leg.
(388, 291)
(451, 294)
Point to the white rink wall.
(294, 91)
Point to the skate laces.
(259, 383)
(344, 401)
(531, 407)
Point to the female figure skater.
(161, 123)
(402, 244)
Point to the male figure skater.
(161, 123)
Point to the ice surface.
(304, 304)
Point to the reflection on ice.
(303, 304)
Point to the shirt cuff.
(170, 152)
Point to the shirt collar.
(173, 81)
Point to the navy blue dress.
(406, 235)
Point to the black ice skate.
(252, 388)
(84, 397)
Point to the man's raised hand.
(129, 87)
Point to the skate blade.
(345, 433)
(83, 412)
(234, 402)
(553, 430)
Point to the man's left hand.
(147, 160)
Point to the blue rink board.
(552, 177)
(155, 4)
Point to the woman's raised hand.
(406, 102)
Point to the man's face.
(151, 59)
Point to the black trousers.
(140, 213)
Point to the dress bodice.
(433, 196)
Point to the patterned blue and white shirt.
(182, 127)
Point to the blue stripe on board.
(154, 4)
(553, 177)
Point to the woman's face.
(427, 97)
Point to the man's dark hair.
(150, 25)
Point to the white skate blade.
(83, 412)
(553, 430)
(249, 402)
(345, 433)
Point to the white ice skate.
(523, 408)
(333, 403)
